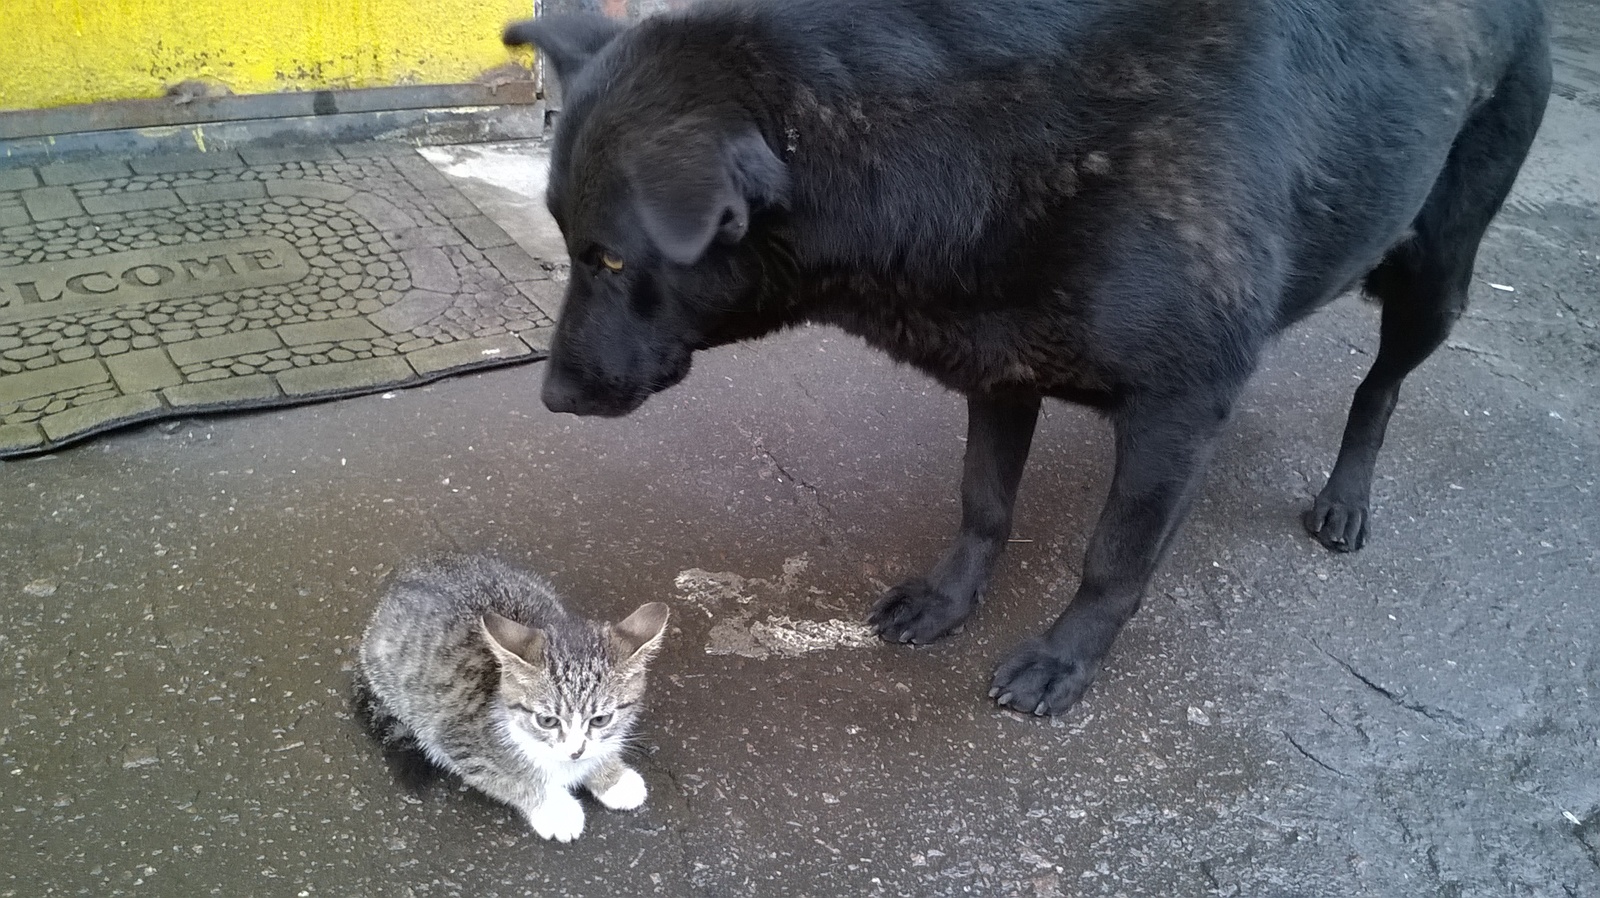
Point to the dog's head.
(656, 180)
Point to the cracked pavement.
(180, 603)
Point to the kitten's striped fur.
(478, 664)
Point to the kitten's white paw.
(559, 818)
(628, 792)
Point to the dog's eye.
(611, 262)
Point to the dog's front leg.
(1162, 449)
(922, 609)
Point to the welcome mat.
(144, 288)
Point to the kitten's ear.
(638, 636)
(507, 637)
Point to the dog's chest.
(972, 350)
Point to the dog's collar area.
(791, 142)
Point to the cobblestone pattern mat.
(132, 290)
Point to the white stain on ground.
(727, 599)
(506, 181)
(788, 637)
(516, 167)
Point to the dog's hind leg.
(922, 609)
(1423, 286)
(1163, 446)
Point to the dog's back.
(1256, 156)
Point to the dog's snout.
(574, 395)
(560, 394)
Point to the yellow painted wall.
(55, 52)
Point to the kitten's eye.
(600, 720)
(546, 722)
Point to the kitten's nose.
(579, 753)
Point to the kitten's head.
(572, 693)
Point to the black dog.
(1112, 202)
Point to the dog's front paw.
(1041, 679)
(558, 817)
(917, 612)
(1339, 524)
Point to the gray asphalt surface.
(179, 604)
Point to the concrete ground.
(178, 606)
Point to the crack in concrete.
(1496, 361)
(685, 864)
(806, 390)
(1241, 585)
(1474, 350)
(819, 511)
(1594, 856)
(1432, 713)
(1580, 315)
(677, 783)
(785, 473)
(1217, 612)
(1354, 727)
(1313, 758)
(1589, 823)
(434, 524)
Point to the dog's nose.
(559, 394)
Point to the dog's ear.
(568, 41)
(695, 183)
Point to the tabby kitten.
(479, 665)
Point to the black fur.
(1112, 202)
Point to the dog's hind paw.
(918, 613)
(1040, 679)
(1339, 525)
